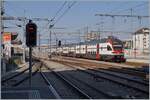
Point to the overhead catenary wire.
(139, 5)
(116, 8)
(56, 14)
(122, 10)
(69, 7)
(128, 9)
(10, 21)
(59, 10)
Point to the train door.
(97, 52)
(86, 51)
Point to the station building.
(138, 44)
(141, 40)
(128, 43)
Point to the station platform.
(147, 61)
(26, 93)
(138, 59)
(24, 65)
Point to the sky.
(79, 17)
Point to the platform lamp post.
(79, 41)
(50, 36)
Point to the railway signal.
(31, 38)
(59, 43)
(31, 34)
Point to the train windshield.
(117, 47)
(109, 48)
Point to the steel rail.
(122, 77)
(127, 71)
(97, 90)
(52, 89)
(82, 93)
(130, 72)
(24, 79)
(115, 81)
(118, 82)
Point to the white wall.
(140, 43)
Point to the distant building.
(141, 39)
(128, 44)
(93, 35)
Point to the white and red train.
(107, 49)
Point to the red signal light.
(30, 28)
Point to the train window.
(109, 48)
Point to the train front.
(117, 50)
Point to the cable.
(120, 5)
(131, 7)
(139, 5)
(59, 10)
(14, 10)
(12, 22)
(69, 7)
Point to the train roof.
(104, 40)
(97, 41)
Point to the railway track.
(116, 73)
(18, 78)
(76, 91)
(129, 71)
(81, 87)
(111, 73)
(123, 81)
(51, 88)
